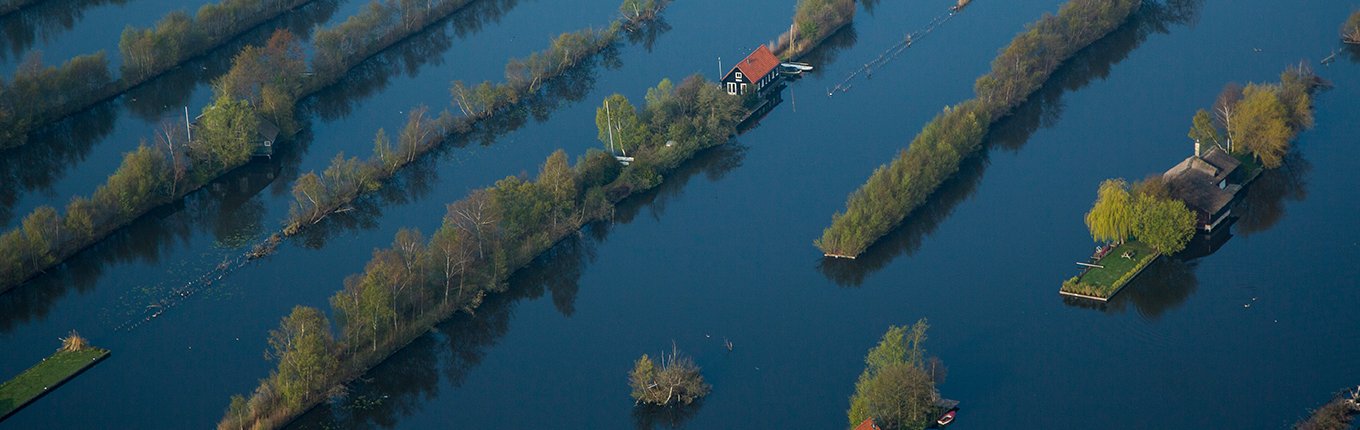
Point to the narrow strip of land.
(48, 375)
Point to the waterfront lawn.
(1104, 282)
(46, 375)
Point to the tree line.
(162, 170)
(263, 82)
(813, 22)
(1260, 120)
(317, 196)
(896, 189)
(484, 238)
(897, 388)
(38, 95)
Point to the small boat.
(960, 5)
(797, 66)
(947, 418)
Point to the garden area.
(1117, 266)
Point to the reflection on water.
(426, 47)
(648, 32)
(1263, 205)
(415, 181)
(825, 54)
(168, 93)
(1041, 110)
(44, 20)
(410, 378)
(222, 207)
(41, 165)
(648, 417)
(1163, 286)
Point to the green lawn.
(1118, 271)
(46, 375)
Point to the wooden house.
(753, 73)
(1207, 184)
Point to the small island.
(75, 355)
(675, 381)
(897, 390)
(1249, 131)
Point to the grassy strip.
(1104, 282)
(152, 176)
(893, 191)
(46, 376)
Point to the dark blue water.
(61, 29)
(723, 249)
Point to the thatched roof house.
(1204, 181)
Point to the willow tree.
(1112, 218)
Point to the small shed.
(755, 72)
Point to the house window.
(743, 88)
(738, 76)
(731, 87)
(1223, 184)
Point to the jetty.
(48, 374)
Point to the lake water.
(1248, 337)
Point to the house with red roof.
(753, 73)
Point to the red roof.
(868, 424)
(758, 64)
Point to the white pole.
(188, 130)
(609, 124)
(720, 73)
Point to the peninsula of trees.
(484, 238)
(897, 388)
(896, 189)
(264, 83)
(38, 95)
(813, 22)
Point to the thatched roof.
(1195, 182)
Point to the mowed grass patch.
(45, 376)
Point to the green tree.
(642, 377)
(1112, 219)
(1261, 125)
(226, 137)
(620, 115)
(896, 389)
(1165, 224)
(675, 381)
(1202, 129)
(304, 350)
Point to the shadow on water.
(416, 180)
(44, 20)
(38, 166)
(400, 385)
(427, 47)
(826, 53)
(226, 208)
(1042, 110)
(170, 92)
(1170, 281)
(648, 32)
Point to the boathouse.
(1206, 183)
(753, 73)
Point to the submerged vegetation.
(484, 238)
(897, 388)
(1350, 31)
(813, 22)
(676, 381)
(74, 356)
(898, 188)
